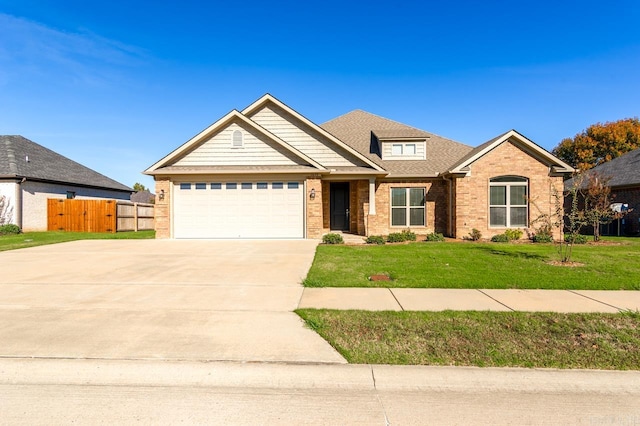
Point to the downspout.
(18, 203)
(450, 206)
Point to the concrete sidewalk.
(436, 299)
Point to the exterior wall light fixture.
(312, 194)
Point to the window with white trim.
(407, 207)
(237, 140)
(508, 202)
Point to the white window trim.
(508, 205)
(408, 207)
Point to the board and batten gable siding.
(303, 138)
(256, 150)
(419, 155)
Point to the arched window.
(236, 140)
(509, 202)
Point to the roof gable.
(232, 117)
(270, 113)
(23, 158)
(542, 155)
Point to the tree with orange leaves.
(599, 143)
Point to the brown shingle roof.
(361, 130)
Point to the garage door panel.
(219, 211)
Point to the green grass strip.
(483, 339)
(32, 239)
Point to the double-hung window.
(407, 207)
(508, 202)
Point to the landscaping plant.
(332, 238)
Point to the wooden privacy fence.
(98, 215)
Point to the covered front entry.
(238, 209)
(339, 204)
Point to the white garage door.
(264, 209)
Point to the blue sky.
(117, 85)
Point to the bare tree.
(6, 211)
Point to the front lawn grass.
(611, 266)
(32, 239)
(483, 339)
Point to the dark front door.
(339, 206)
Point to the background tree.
(599, 143)
(138, 187)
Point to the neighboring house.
(269, 172)
(624, 172)
(31, 173)
(143, 197)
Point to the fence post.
(135, 217)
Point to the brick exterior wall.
(315, 207)
(162, 208)
(472, 192)
(435, 207)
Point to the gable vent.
(236, 140)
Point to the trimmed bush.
(542, 238)
(513, 234)
(500, 238)
(579, 239)
(475, 234)
(375, 239)
(408, 235)
(9, 229)
(434, 237)
(396, 237)
(332, 239)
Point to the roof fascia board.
(234, 114)
(269, 98)
(528, 144)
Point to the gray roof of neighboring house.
(623, 170)
(143, 197)
(361, 130)
(48, 166)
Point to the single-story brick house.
(30, 174)
(269, 172)
(624, 172)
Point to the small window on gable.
(396, 149)
(237, 139)
(410, 149)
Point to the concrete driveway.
(158, 299)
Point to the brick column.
(162, 209)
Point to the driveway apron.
(159, 299)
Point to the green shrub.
(500, 238)
(9, 229)
(396, 237)
(408, 235)
(332, 239)
(375, 239)
(541, 237)
(513, 234)
(475, 234)
(434, 237)
(579, 239)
